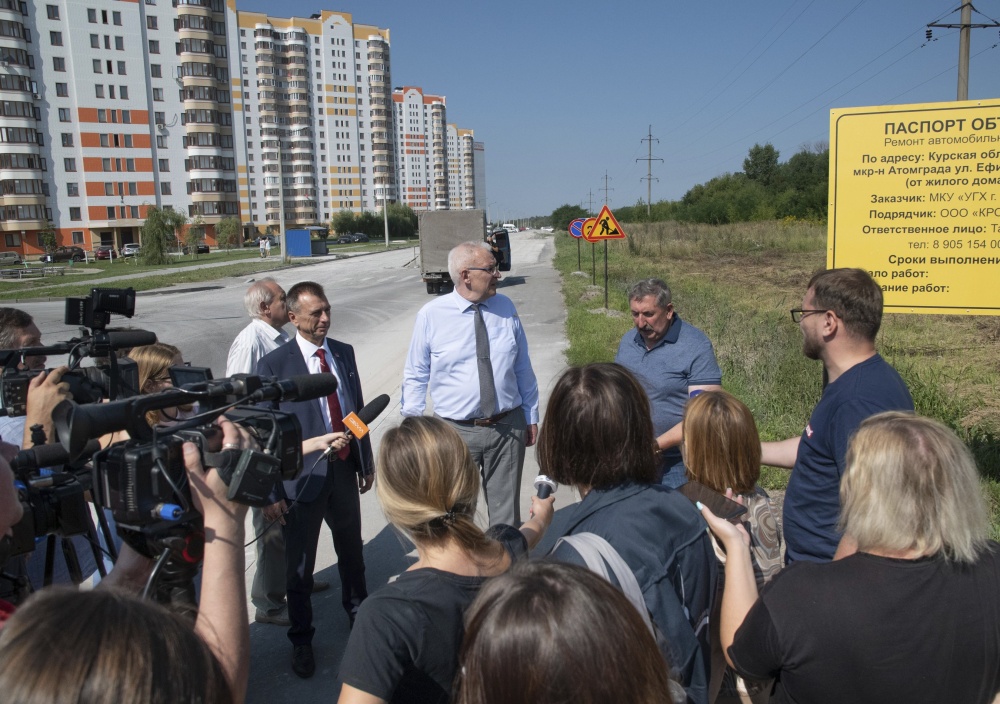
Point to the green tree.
(194, 235)
(565, 214)
(47, 236)
(761, 164)
(158, 233)
(402, 221)
(343, 222)
(228, 232)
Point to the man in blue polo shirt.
(840, 316)
(673, 360)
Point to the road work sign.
(607, 228)
(915, 201)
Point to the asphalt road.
(375, 299)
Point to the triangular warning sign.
(607, 228)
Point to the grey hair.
(460, 255)
(13, 322)
(258, 293)
(651, 287)
(911, 484)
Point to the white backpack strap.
(599, 555)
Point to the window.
(126, 117)
(128, 141)
(111, 212)
(77, 236)
(158, 94)
(155, 71)
(58, 63)
(123, 92)
(121, 68)
(161, 141)
(64, 115)
(130, 164)
(151, 22)
(164, 165)
(92, 15)
(160, 118)
(55, 38)
(104, 141)
(52, 11)
(95, 41)
(74, 214)
(12, 240)
(109, 189)
(133, 212)
(73, 189)
(111, 92)
(104, 16)
(133, 188)
(102, 115)
(62, 90)
(116, 18)
(97, 66)
(154, 46)
(99, 90)
(110, 66)
(67, 139)
(165, 188)
(107, 42)
(105, 164)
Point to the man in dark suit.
(327, 490)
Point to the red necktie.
(333, 403)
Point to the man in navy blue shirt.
(840, 316)
(672, 360)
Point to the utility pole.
(590, 198)
(965, 27)
(649, 171)
(606, 189)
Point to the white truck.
(440, 231)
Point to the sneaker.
(277, 618)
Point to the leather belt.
(482, 422)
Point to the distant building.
(461, 177)
(479, 174)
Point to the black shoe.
(303, 663)
(320, 586)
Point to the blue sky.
(562, 93)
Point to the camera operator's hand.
(45, 392)
(222, 612)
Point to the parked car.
(202, 248)
(105, 251)
(10, 258)
(359, 237)
(344, 239)
(64, 254)
(130, 250)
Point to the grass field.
(737, 283)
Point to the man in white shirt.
(469, 350)
(265, 303)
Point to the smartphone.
(716, 502)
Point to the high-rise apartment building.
(461, 177)
(130, 106)
(313, 103)
(421, 140)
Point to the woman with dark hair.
(551, 632)
(598, 437)
(721, 451)
(404, 644)
(910, 610)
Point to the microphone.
(544, 486)
(356, 424)
(304, 387)
(126, 339)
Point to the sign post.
(576, 230)
(605, 228)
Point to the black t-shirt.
(876, 629)
(405, 642)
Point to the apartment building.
(313, 101)
(461, 177)
(479, 174)
(421, 140)
(129, 105)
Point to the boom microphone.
(127, 339)
(304, 387)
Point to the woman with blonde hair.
(154, 362)
(721, 450)
(910, 612)
(405, 641)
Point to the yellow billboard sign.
(915, 201)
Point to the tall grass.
(737, 283)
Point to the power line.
(649, 170)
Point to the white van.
(509, 227)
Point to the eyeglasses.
(799, 313)
(492, 271)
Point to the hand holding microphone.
(356, 424)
